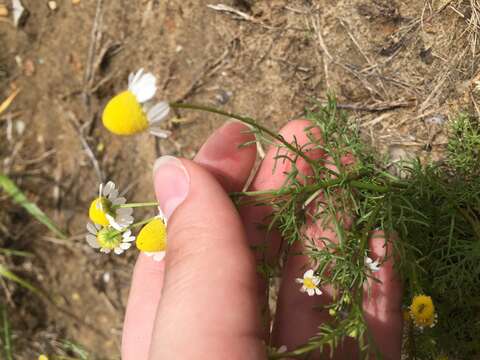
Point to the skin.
(204, 300)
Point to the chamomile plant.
(428, 218)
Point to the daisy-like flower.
(422, 311)
(309, 283)
(152, 239)
(105, 210)
(107, 239)
(374, 266)
(131, 111)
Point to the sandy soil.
(401, 67)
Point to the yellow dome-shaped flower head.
(106, 209)
(128, 112)
(422, 311)
(97, 211)
(153, 237)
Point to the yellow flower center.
(308, 283)
(153, 237)
(124, 115)
(108, 238)
(99, 208)
(422, 310)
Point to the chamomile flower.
(309, 283)
(374, 266)
(105, 210)
(131, 111)
(422, 311)
(152, 239)
(107, 239)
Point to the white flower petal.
(92, 241)
(92, 229)
(125, 245)
(127, 219)
(113, 223)
(159, 256)
(107, 189)
(158, 113)
(143, 86)
(106, 251)
(118, 251)
(119, 201)
(318, 291)
(160, 133)
(129, 239)
(308, 274)
(113, 194)
(311, 292)
(133, 77)
(316, 280)
(299, 280)
(161, 216)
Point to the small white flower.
(107, 239)
(374, 266)
(309, 283)
(105, 209)
(133, 110)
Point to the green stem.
(248, 121)
(140, 223)
(324, 184)
(135, 205)
(133, 226)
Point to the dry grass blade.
(19, 197)
(8, 101)
(6, 334)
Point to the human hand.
(203, 301)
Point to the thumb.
(208, 308)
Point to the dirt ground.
(401, 67)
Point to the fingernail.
(172, 183)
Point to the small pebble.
(52, 5)
(3, 11)
(106, 277)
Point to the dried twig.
(88, 150)
(376, 107)
(95, 39)
(8, 101)
(240, 15)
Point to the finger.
(208, 296)
(382, 300)
(225, 156)
(296, 310)
(272, 175)
(145, 291)
(231, 164)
